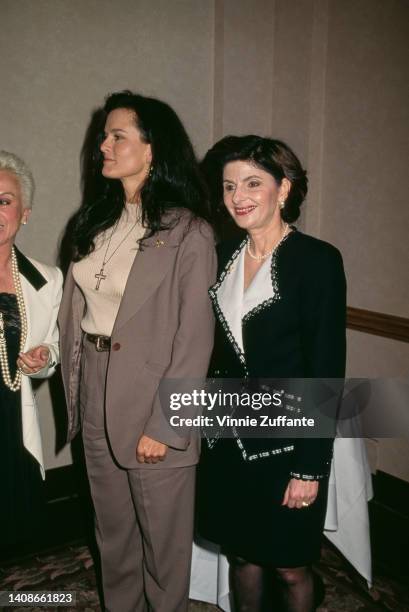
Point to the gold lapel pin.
(159, 243)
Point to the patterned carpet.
(71, 569)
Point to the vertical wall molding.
(273, 59)
(218, 71)
(317, 100)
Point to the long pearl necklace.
(13, 385)
(265, 255)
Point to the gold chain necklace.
(13, 385)
(101, 276)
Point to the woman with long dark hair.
(280, 314)
(135, 310)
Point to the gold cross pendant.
(101, 276)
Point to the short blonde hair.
(14, 164)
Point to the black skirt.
(21, 504)
(240, 508)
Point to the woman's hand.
(150, 450)
(300, 493)
(34, 360)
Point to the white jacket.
(42, 289)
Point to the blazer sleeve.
(323, 334)
(193, 340)
(52, 336)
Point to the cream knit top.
(102, 305)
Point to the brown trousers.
(143, 517)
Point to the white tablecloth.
(346, 525)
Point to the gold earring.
(281, 204)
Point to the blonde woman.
(30, 294)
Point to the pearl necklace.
(13, 385)
(265, 255)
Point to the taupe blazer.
(164, 328)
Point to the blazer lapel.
(27, 290)
(148, 269)
(31, 281)
(29, 271)
(221, 314)
(230, 295)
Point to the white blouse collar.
(260, 288)
(235, 302)
(230, 297)
(234, 306)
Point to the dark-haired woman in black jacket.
(280, 304)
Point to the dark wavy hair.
(273, 156)
(174, 180)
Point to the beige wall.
(59, 59)
(329, 77)
(367, 149)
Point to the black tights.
(254, 587)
